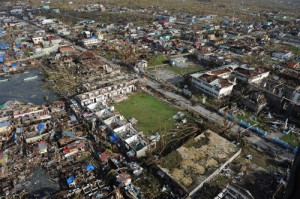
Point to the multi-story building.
(107, 93)
(90, 41)
(282, 54)
(215, 82)
(212, 85)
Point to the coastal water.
(30, 91)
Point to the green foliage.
(197, 144)
(157, 60)
(292, 139)
(171, 161)
(220, 181)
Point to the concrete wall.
(252, 105)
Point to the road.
(31, 57)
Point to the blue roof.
(69, 133)
(19, 130)
(70, 179)
(113, 138)
(14, 137)
(3, 124)
(41, 127)
(13, 65)
(4, 67)
(4, 46)
(46, 7)
(90, 167)
(73, 118)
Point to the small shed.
(179, 62)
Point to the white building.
(37, 39)
(90, 42)
(296, 97)
(16, 11)
(47, 21)
(87, 34)
(100, 35)
(215, 82)
(141, 64)
(212, 85)
(222, 72)
(107, 93)
(179, 62)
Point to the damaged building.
(281, 97)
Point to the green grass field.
(157, 60)
(292, 139)
(152, 114)
(253, 120)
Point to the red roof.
(164, 21)
(291, 65)
(250, 72)
(210, 78)
(73, 146)
(65, 49)
(221, 71)
(103, 157)
(87, 55)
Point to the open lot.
(195, 161)
(152, 114)
(173, 74)
(185, 70)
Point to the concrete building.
(90, 42)
(282, 55)
(255, 101)
(105, 94)
(47, 21)
(141, 64)
(212, 85)
(233, 191)
(37, 39)
(179, 62)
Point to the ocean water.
(30, 91)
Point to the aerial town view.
(150, 99)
